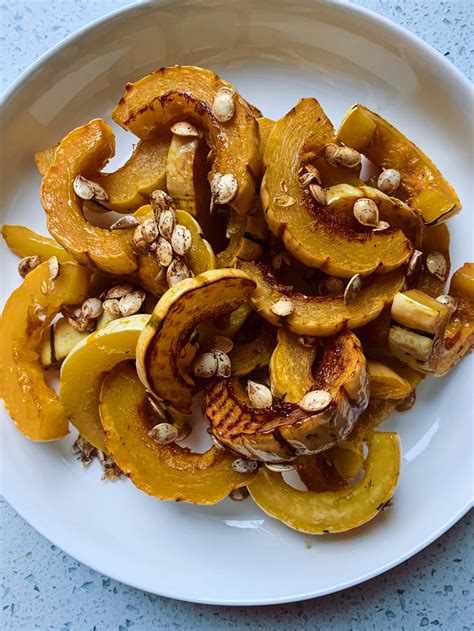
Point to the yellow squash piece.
(291, 367)
(312, 233)
(179, 311)
(247, 237)
(31, 403)
(82, 373)
(200, 257)
(84, 151)
(26, 242)
(168, 472)
(186, 93)
(265, 126)
(246, 357)
(334, 511)
(385, 383)
(427, 190)
(435, 239)
(44, 159)
(321, 315)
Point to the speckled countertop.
(43, 588)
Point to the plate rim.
(396, 30)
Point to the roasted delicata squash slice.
(435, 244)
(309, 230)
(285, 430)
(247, 237)
(190, 94)
(84, 151)
(320, 315)
(31, 403)
(265, 126)
(385, 383)
(25, 242)
(334, 511)
(427, 190)
(168, 472)
(83, 370)
(245, 357)
(432, 335)
(178, 313)
(291, 366)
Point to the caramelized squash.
(435, 239)
(246, 357)
(311, 232)
(291, 367)
(247, 236)
(385, 383)
(25, 242)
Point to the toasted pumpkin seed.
(318, 194)
(259, 395)
(40, 313)
(112, 308)
(347, 157)
(127, 221)
(366, 212)
(91, 308)
(388, 181)
(414, 263)
(176, 272)
(450, 301)
(309, 174)
(120, 290)
(437, 265)
(383, 225)
(330, 151)
(205, 365)
(87, 189)
(223, 106)
(164, 252)
(223, 363)
(164, 433)
(184, 129)
(166, 223)
(28, 264)
(139, 241)
(239, 495)
(282, 307)
(149, 230)
(132, 303)
(352, 289)
(315, 400)
(160, 201)
(244, 466)
(224, 188)
(181, 240)
(279, 467)
(44, 288)
(53, 267)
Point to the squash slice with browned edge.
(321, 315)
(84, 151)
(427, 190)
(311, 232)
(247, 237)
(186, 93)
(167, 472)
(334, 511)
(284, 430)
(83, 371)
(31, 403)
(245, 357)
(386, 383)
(435, 239)
(291, 366)
(25, 242)
(179, 311)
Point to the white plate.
(275, 53)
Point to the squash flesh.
(291, 367)
(25, 242)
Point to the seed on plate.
(279, 467)
(315, 400)
(407, 403)
(127, 221)
(176, 272)
(347, 157)
(164, 433)
(166, 223)
(149, 230)
(205, 365)
(28, 264)
(87, 189)
(223, 363)
(282, 307)
(260, 396)
(437, 265)
(318, 194)
(241, 465)
(164, 252)
(160, 201)
(91, 308)
(118, 291)
(132, 302)
(53, 267)
(388, 181)
(112, 308)
(284, 200)
(239, 495)
(366, 212)
(330, 151)
(224, 188)
(450, 301)
(181, 240)
(223, 106)
(414, 263)
(139, 241)
(331, 286)
(352, 289)
(383, 225)
(184, 129)
(222, 343)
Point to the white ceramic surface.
(274, 53)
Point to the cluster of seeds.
(340, 156)
(214, 363)
(89, 190)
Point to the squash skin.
(179, 93)
(83, 151)
(25, 242)
(427, 190)
(333, 511)
(321, 315)
(177, 314)
(33, 405)
(309, 231)
(167, 472)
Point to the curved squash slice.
(333, 511)
(83, 370)
(247, 237)
(179, 93)
(26, 242)
(31, 403)
(321, 315)
(385, 383)
(284, 431)
(200, 257)
(246, 357)
(311, 232)
(168, 472)
(44, 159)
(291, 367)
(319, 474)
(179, 311)
(265, 126)
(435, 239)
(427, 190)
(83, 151)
